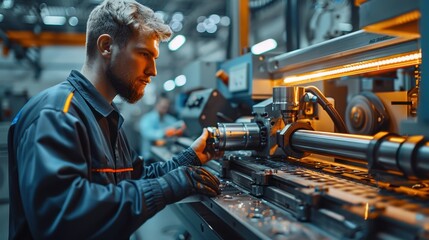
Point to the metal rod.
(332, 144)
(409, 155)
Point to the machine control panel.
(238, 78)
(195, 102)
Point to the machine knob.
(357, 117)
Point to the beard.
(126, 89)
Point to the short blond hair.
(121, 19)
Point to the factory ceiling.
(71, 15)
(28, 26)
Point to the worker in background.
(158, 125)
(72, 172)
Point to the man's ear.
(104, 45)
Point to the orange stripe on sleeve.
(67, 103)
(111, 170)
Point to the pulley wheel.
(366, 114)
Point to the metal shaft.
(332, 144)
(409, 155)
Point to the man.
(72, 173)
(157, 125)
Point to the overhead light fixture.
(180, 80)
(264, 46)
(200, 27)
(215, 18)
(225, 21)
(54, 20)
(176, 42)
(211, 28)
(176, 26)
(7, 4)
(73, 21)
(169, 85)
(386, 63)
(177, 16)
(211, 24)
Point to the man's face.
(131, 66)
(163, 105)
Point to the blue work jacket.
(72, 174)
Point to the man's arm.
(57, 194)
(185, 158)
(195, 155)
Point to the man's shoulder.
(151, 115)
(52, 98)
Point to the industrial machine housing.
(296, 168)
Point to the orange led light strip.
(392, 62)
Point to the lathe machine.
(348, 159)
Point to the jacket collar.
(92, 96)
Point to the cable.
(329, 108)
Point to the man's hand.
(199, 147)
(170, 132)
(184, 181)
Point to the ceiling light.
(7, 4)
(180, 80)
(169, 85)
(225, 21)
(201, 19)
(264, 46)
(215, 18)
(73, 21)
(201, 28)
(211, 29)
(54, 20)
(209, 25)
(176, 42)
(176, 26)
(178, 16)
(208, 22)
